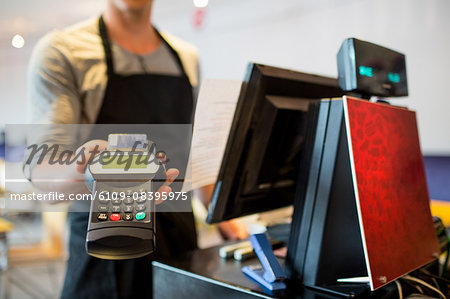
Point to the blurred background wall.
(303, 35)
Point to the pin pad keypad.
(121, 204)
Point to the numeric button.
(103, 208)
(140, 208)
(140, 199)
(128, 208)
(128, 200)
(115, 209)
(127, 216)
(103, 199)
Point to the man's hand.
(171, 175)
(230, 230)
(233, 230)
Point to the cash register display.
(370, 69)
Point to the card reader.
(122, 215)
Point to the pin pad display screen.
(120, 161)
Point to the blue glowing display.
(365, 71)
(394, 77)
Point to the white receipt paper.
(216, 104)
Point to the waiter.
(99, 72)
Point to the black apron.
(133, 99)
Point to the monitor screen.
(266, 145)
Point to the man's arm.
(53, 98)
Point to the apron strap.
(175, 54)
(106, 45)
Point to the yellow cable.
(400, 291)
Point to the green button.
(140, 216)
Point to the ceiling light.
(201, 3)
(18, 41)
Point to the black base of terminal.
(203, 274)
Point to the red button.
(114, 217)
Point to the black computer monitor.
(268, 143)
